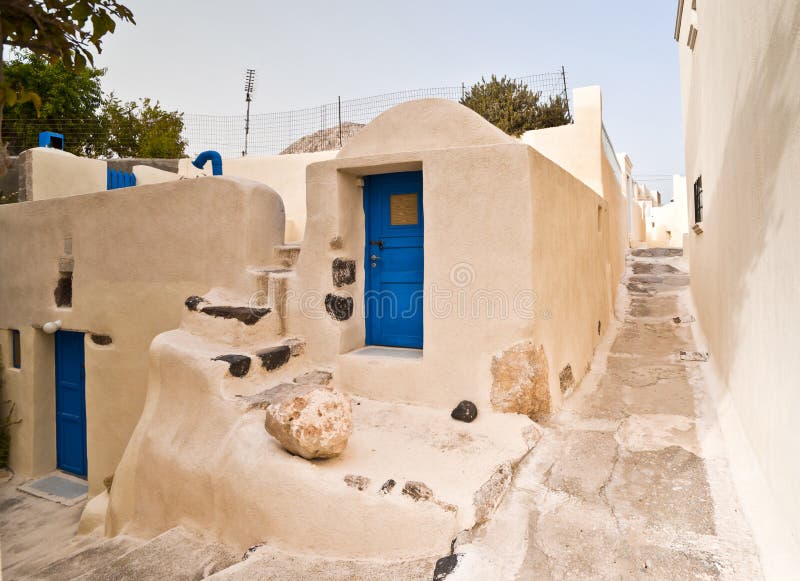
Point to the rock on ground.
(520, 381)
(311, 421)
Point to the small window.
(698, 200)
(63, 292)
(403, 209)
(16, 350)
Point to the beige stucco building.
(740, 88)
(509, 250)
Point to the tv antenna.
(249, 88)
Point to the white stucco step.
(230, 370)
(410, 479)
(232, 320)
(287, 254)
(175, 554)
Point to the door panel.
(70, 403)
(394, 221)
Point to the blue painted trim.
(51, 139)
(70, 387)
(376, 188)
(214, 157)
(119, 179)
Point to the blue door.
(393, 300)
(70, 403)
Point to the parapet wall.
(134, 255)
(46, 173)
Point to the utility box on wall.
(51, 139)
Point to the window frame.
(16, 349)
(698, 200)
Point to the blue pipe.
(214, 157)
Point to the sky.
(192, 55)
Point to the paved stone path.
(630, 479)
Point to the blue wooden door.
(70, 403)
(393, 301)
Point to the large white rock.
(312, 421)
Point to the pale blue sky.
(191, 54)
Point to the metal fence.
(320, 128)
(327, 126)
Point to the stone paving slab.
(618, 486)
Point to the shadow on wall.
(734, 229)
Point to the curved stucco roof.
(421, 126)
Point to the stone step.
(271, 283)
(175, 554)
(657, 252)
(268, 359)
(234, 322)
(286, 254)
(88, 559)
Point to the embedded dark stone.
(387, 486)
(251, 550)
(445, 566)
(357, 482)
(340, 308)
(599, 327)
(417, 490)
(238, 365)
(247, 315)
(466, 411)
(101, 339)
(63, 292)
(275, 357)
(344, 272)
(193, 301)
(566, 378)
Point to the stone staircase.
(175, 554)
(248, 332)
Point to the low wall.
(127, 164)
(136, 254)
(574, 285)
(583, 150)
(51, 173)
(286, 174)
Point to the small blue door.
(70, 403)
(393, 300)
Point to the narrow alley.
(630, 479)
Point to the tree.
(93, 124)
(142, 129)
(72, 100)
(59, 30)
(513, 107)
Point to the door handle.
(373, 258)
(378, 243)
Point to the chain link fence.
(320, 128)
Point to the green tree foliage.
(142, 129)
(513, 107)
(72, 99)
(59, 30)
(93, 124)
